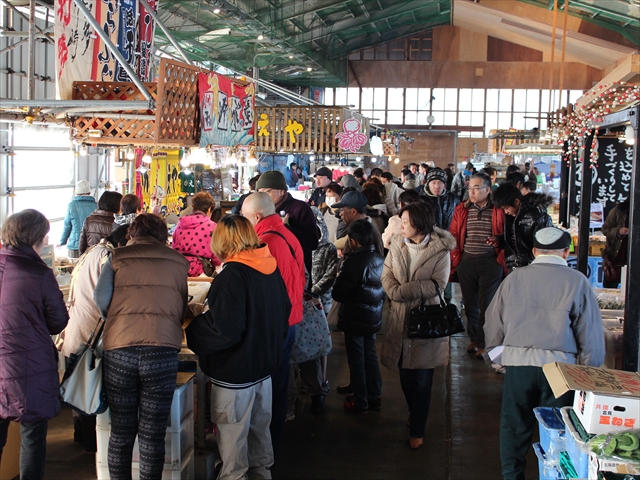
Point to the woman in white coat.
(418, 256)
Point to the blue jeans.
(416, 385)
(364, 368)
(280, 394)
(33, 447)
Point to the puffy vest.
(149, 296)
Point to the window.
(417, 48)
(328, 96)
(353, 97)
(341, 96)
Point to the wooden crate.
(174, 122)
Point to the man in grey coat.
(542, 313)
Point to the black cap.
(324, 172)
(352, 200)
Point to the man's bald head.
(257, 206)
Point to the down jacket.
(443, 205)
(97, 226)
(31, 310)
(359, 289)
(407, 292)
(325, 265)
(192, 238)
(520, 230)
(77, 211)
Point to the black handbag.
(435, 321)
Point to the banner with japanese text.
(611, 177)
(226, 111)
(81, 55)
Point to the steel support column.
(565, 172)
(585, 208)
(631, 333)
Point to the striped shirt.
(479, 227)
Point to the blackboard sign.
(611, 179)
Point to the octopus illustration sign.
(351, 139)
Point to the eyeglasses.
(476, 189)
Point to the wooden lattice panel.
(320, 125)
(178, 106)
(113, 128)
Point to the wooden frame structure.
(320, 125)
(175, 121)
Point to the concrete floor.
(461, 441)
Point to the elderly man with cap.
(82, 205)
(296, 214)
(323, 178)
(558, 320)
(353, 206)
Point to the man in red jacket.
(260, 210)
(478, 263)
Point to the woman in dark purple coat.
(31, 310)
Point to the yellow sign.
(293, 128)
(262, 125)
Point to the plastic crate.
(551, 428)
(577, 449)
(546, 473)
(181, 406)
(184, 471)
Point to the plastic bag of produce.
(624, 445)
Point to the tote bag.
(81, 385)
(313, 338)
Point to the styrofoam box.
(177, 443)
(600, 413)
(184, 471)
(181, 406)
(577, 449)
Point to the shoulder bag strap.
(443, 303)
(293, 253)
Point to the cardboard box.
(602, 464)
(605, 401)
(595, 249)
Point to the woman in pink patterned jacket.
(192, 236)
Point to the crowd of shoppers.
(278, 262)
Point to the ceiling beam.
(396, 10)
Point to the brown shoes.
(480, 352)
(415, 443)
(472, 347)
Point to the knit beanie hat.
(552, 238)
(437, 174)
(83, 187)
(272, 179)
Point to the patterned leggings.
(139, 382)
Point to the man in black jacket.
(323, 178)
(524, 217)
(359, 289)
(434, 192)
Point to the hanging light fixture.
(252, 161)
(84, 150)
(374, 159)
(231, 156)
(185, 161)
(131, 154)
(396, 161)
(146, 158)
(629, 135)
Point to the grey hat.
(272, 179)
(552, 238)
(353, 200)
(436, 174)
(83, 187)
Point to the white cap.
(83, 187)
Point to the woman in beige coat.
(418, 256)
